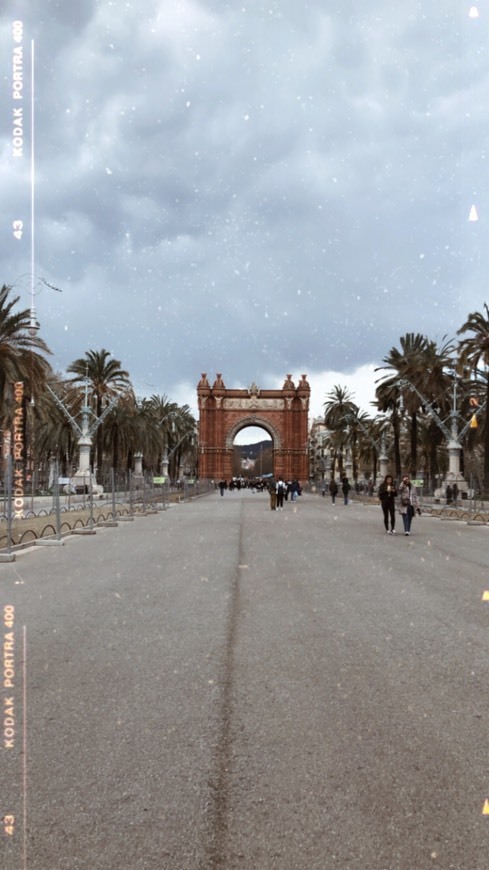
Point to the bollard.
(48, 542)
(164, 492)
(90, 502)
(112, 481)
(56, 501)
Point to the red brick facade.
(282, 413)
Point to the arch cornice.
(253, 420)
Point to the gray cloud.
(281, 188)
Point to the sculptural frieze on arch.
(283, 413)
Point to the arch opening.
(252, 452)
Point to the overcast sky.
(252, 188)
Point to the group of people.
(239, 483)
(406, 499)
(403, 497)
(334, 489)
(279, 491)
(451, 493)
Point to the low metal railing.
(64, 510)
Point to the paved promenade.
(222, 686)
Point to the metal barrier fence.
(124, 494)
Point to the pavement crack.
(219, 783)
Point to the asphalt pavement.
(223, 686)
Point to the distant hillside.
(253, 460)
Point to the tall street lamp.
(85, 433)
(453, 435)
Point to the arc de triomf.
(282, 413)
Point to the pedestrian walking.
(345, 486)
(294, 489)
(281, 487)
(408, 503)
(333, 488)
(222, 486)
(272, 489)
(387, 498)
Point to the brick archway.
(282, 413)
(254, 420)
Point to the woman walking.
(409, 503)
(387, 497)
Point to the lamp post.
(34, 281)
(138, 463)
(453, 435)
(383, 458)
(85, 433)
(165, 457)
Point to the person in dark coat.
(333, 488)
(345, 486)
(281, 487)
(294, 489)
(387, 498)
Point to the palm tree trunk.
(433, 469)
(115, 450)
(354, 457)
(397, 444)
(486, 442)
(99, 444)
(414, 446)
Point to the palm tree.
(432, 459)
(53, 434)
(388, 395)
(339, 403)
(474, 350)
(369, 435)
(406, 363)
(181, 440)
(122, 432)
(337, 441)
(423, 364)
(162, 415)
(356, 423)
(338, 406)
(148, 434)
(176, 428)
(20, 355)
(105, 379)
